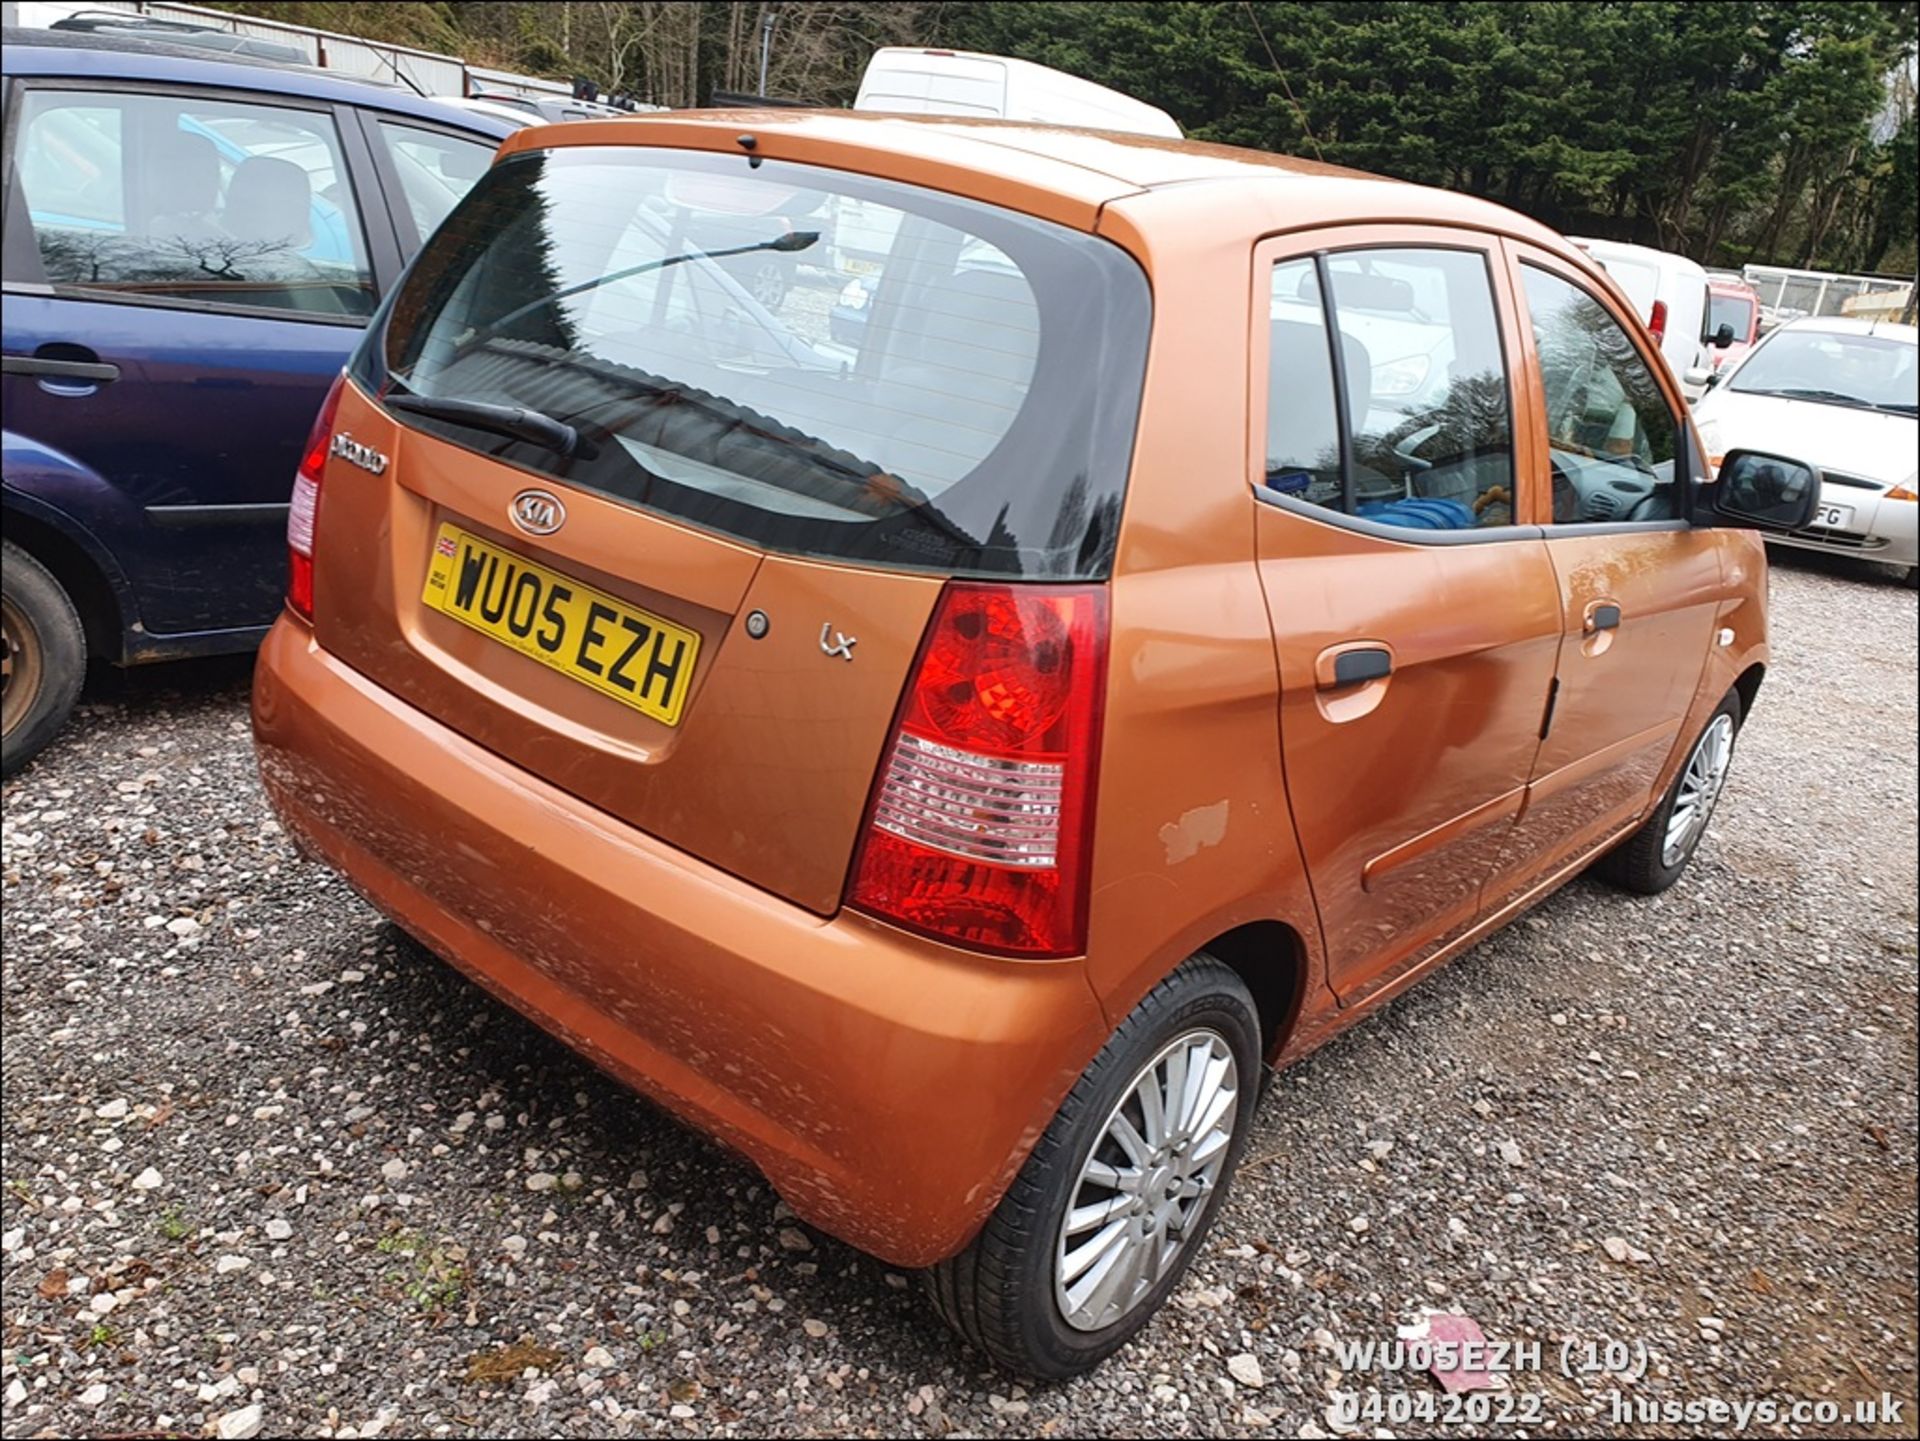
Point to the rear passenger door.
(1638, 587)
(424, 169)
(1415, 620)
(186, 269)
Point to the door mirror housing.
(1722, 338)
(1713, 379)
(1758, 491)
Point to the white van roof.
(906, 80)
(1644, 254)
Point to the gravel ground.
(261, 1151)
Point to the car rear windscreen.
(808, 360)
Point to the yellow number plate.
(585, 634)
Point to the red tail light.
(306, 505)
(982, 820)
(1658, 323)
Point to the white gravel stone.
(241, 1424)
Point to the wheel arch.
(1747, 683)
(85, 577)
(1271, 957)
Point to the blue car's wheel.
(43, 657)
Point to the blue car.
(191, 248)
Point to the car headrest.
(189, 171)
(269, 199)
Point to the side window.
(1429, 442)
(1303, 419)
(182, 198)
(435, 170)
(1613, 440)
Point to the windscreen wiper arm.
(785, 244)
(1836, 397)
(515, 421)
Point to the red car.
(1735, 303)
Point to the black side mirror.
(1757, 491)
(1722, 338)
(1713, 379)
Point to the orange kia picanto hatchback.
(1124, 609)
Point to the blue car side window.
(193, 199)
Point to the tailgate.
(766, 767)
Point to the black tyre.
(1653, 857)
(1118, 1195)
(44, 657)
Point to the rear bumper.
(888, 1087)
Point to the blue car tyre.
(44, 660)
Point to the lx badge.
(841, 645)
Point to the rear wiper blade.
(515, 421)
(786, 244)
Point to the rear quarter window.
(812, 361)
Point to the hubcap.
(19, 665)
(1700, 786)
(1146, 1183)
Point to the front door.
(1416, 623)
(186, 272)
(1639, 588)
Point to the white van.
(1670, 293)
(905, 81)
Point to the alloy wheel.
(1700, 786)
(768, 284)
(1145, 1185)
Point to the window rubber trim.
(1337, 352)
(1359, 524)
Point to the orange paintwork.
(890, 1086)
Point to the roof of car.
(1853, 325)
(1091, 167)
(67, 53)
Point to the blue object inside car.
(1419, 513)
